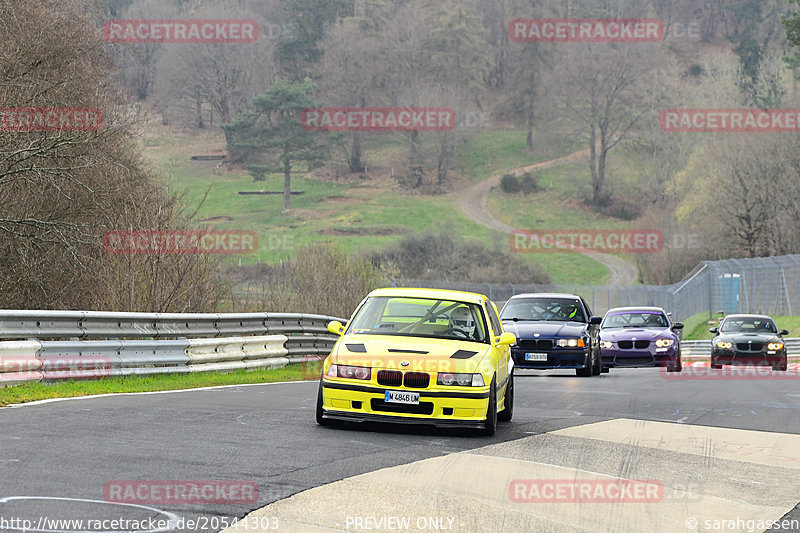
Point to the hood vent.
(356, 348)
(463, 354)
(399, 350)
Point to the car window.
(547, 309)
(497, 326)
(420, 317)
(635, 320)
(748, 325)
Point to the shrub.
(510, 184)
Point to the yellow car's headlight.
(460, 380)
(664, 343)
(775, 346)
(606, 344)
(349, 372)
(725, 345)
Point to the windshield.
(420, 317)
(635, 319)
(544, 309)
(748, 325)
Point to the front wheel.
(675, 367)
(598, 364)
(781, 366)
(587, 371)
(490, 426)
(508, 409)
(321, 420)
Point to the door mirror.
(595, 320)
(713, 330)
(506, 339)
(784, 332)
(677, 325)
(336, 327)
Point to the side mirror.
(336, 327)
(506, 339)
(784, 332)
(595, 320)
(677, 325)
(713, 330)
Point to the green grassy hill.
(371, 214)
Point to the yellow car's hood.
(418, 354)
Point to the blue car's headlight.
(570, 343)
(664, 343)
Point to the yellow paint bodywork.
(466, 406)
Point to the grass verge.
(31, 392)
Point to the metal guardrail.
(61, 345)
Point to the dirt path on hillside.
(472, 202)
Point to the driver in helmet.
(461, 322)
(570, 312)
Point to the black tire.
(490, 426)
(715, 366)
(605, 370)
(677, 367)
(598, 364)
(320, 420)
(588, 370)
(508, 411)
(781, 366)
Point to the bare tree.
(601, 86)
(62, 190)
(200, 83)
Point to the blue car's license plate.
(536, 357)
(396, 396)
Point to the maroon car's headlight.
(349, 372)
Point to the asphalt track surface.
(635, 424)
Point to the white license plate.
(536, 357)
(396, 396)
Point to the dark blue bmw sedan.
(553, 331)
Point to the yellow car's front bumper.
(440, 406)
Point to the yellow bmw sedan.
(420, 356)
